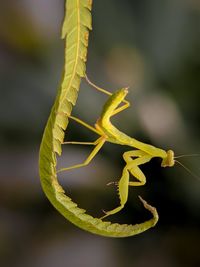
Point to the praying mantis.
(142, 153)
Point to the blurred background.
(152, 47)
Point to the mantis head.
(169, 160)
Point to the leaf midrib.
(77, 49)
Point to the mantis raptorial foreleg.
(124, 183)
(132, 165)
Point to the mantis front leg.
(124, 183)
(132, 165)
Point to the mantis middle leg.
(98, 145)
(124, 183)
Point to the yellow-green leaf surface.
(75, 32)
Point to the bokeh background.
(153, 47)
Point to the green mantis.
(134, 158)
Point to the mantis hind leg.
(126, 103)
(132, 167)
(97, 87)
(86, 125)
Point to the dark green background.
(153, 47)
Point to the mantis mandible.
(109, 133)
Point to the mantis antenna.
(187, 155)
(188, 170)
